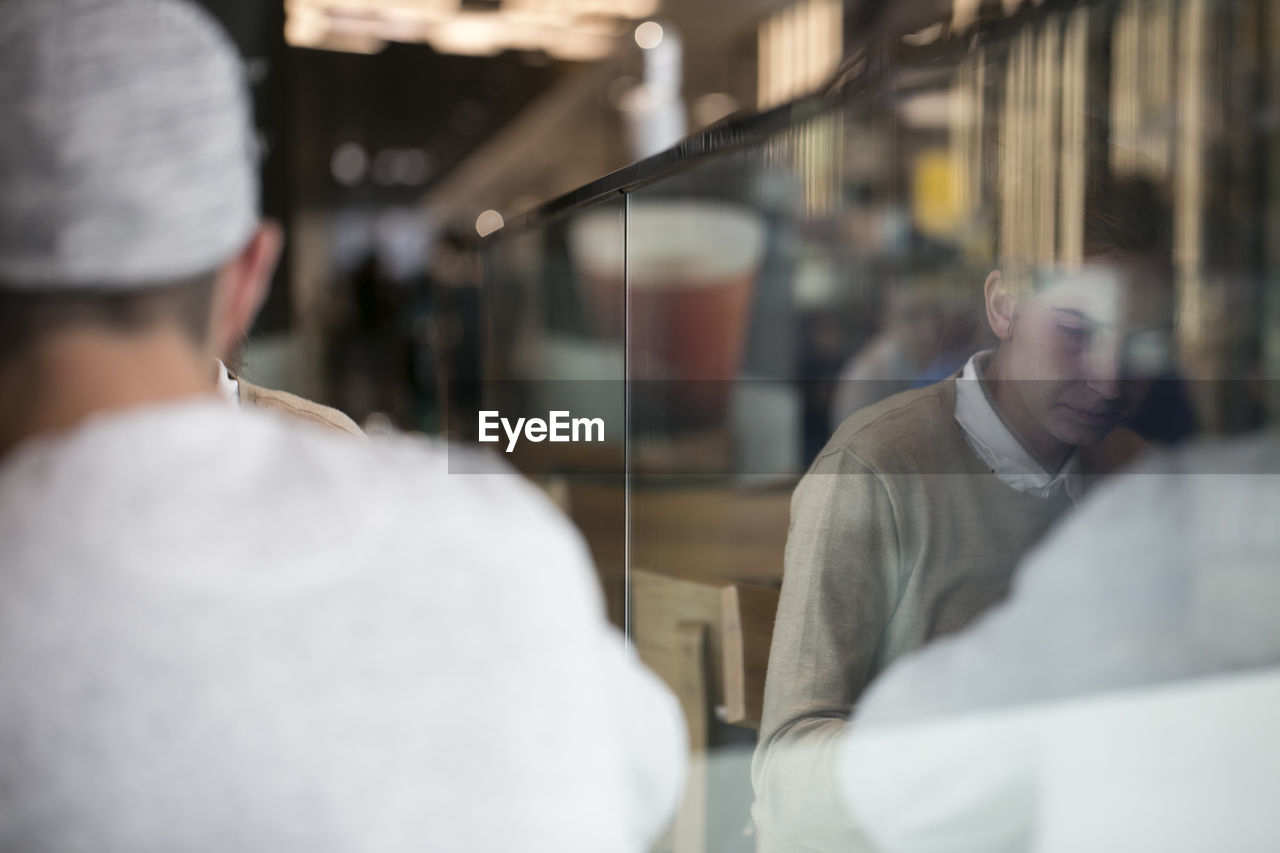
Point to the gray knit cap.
(125, 154)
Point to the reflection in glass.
(1084, 189)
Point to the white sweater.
(1112, 701)
(219, 631)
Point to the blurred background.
(723, 226)
(394, 133)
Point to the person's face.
(1085, 346)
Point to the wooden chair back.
(746, 633)
(676, 628)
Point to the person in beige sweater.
(911, 520)
(240, 392)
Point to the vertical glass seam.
(627, 598)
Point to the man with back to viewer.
(229, 631)
(910, 522)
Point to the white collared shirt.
(228, 386)
(999, 448)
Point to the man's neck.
(70, 375)
(1002, 391)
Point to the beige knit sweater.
(899, 533)
(297, 408)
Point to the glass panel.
(555, 316)
(1072, 209)
(1058, 230)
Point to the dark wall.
(257, 27)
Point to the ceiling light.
(415, 166)
(348, 163)
(488, 222)
(578, 47)
(469, 34)
(649, 35)
(576, 30)
(386, 168)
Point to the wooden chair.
(677, 635)
(708, 534)
(746, 620)
(709, 641)
(701, 603)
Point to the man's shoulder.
(298, 408)
(902, 430)
(319, 491)
(266, 464)
(222, 487)
(409, 467)
(427, 501)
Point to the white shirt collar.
(999, 448)
(228, 386)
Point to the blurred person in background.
(1152, 609)
(368, 365)
(225, 630)
(890, 362)
(910, 522)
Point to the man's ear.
(242, 288)
(1001, 305)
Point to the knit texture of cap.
(125, 146)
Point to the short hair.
(1128, 214)
(26, 316)
(1123, 215)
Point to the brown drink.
(691, 269)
